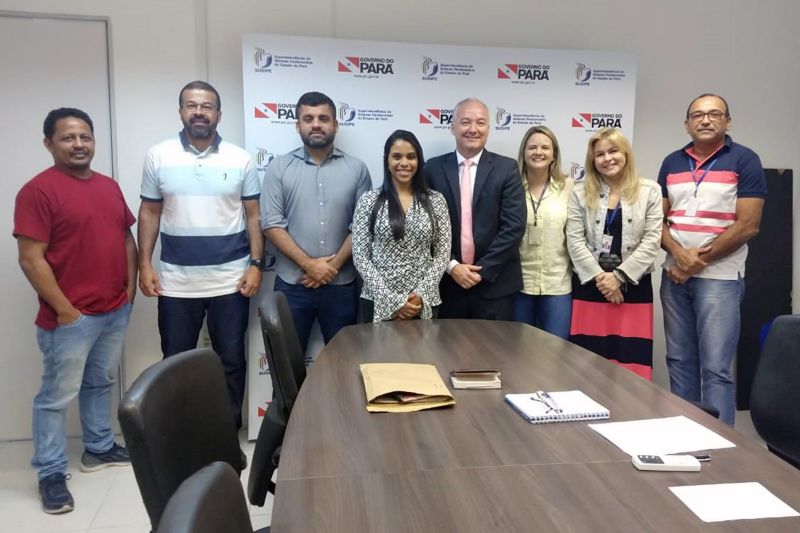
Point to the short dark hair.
(314, 99)
(200, 86)
(55, 115)
(704, 95)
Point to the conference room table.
(479, 466)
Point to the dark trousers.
(470, 304)
(333, 306)
(179, 323)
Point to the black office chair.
(284, 354)
(775, 394)
(287, 369)
(208, 501)
(176, 419)
(266, 454)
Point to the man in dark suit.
(487, 213)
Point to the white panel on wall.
(379, 87)
(46, 63)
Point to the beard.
(323, 142)
(200, 128)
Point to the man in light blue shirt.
(307, 205)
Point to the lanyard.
(610, 220)
(703, 176)
(537, 205)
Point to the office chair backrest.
(284, 356)
(176, 419)
(208, 501)
(776, 390)
(266, 454)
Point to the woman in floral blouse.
(401, 237)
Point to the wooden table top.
(479, 466)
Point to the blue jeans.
(227, 316)
(553, 314)
(334, 306)
(79, 359)
(701, 324)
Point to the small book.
(479, 378)
(564, 406)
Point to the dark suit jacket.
(498, 220)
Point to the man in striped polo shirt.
(713, 191)
(201, 194)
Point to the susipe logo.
(582, 74)
(262, 59)
(275, 111)
(436, 117)
(576, 171)
(594, 121)
(346, 113)
(263, 158)
(366, 65)
(430, 68)
(502, 118)
(523, 72)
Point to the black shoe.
(55, 495)
(116, 456)
(243, 458)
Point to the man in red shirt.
(76, 248)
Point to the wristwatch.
(258, 263)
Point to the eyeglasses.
(205, 108)
(713, 116)
(548, 401)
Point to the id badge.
(605, 247)
(534, 235)
(692, 206)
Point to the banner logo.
(276, 113)
(502, 118)
(505, 119)
(262, 411)
(576, 171)
(432, 70)
(429, 67)
(366, 67)
(346, 113)
(521, 73)
(264, 158)
(595, 121)
(262, 58)
(439, 118)
(585, 75)
(266, 62)
(351, 115)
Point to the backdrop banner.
(379, 87)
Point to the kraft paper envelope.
(402, 387)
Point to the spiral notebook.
(563, 406)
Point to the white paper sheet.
(657, 436)
(732, 501)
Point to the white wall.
(746, 51)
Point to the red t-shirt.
(84, 223)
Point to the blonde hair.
(555, 166)
(594, 180)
